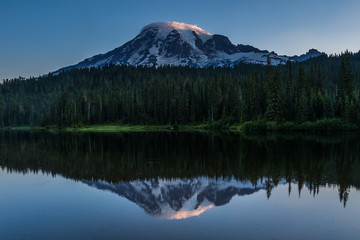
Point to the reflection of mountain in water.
(180, 198)
(310, 161)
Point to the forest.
(322, 88)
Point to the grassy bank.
(114, 128)
(118, 128)
(325, 125)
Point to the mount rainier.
(179, 198)
(174, 43)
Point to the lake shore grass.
(325, 125)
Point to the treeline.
(321, 88)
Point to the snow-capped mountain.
(179, 198)
(312, 53)
(174, 43)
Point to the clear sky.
(40, 36)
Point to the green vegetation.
(118, 128)
(27, 128)
(321, 94)
(324, 125)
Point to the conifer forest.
(326, 87)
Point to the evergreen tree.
(2, 109)
(273, 97)
(345, 90)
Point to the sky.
(41, 36)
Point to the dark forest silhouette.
(325, 87)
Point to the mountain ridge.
(179, 198)
(181, 44)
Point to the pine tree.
(304, 108)
(251, 96)
(328, 106)
(319, 105)
(288, 100)
(274, 98)
(345, 90)
(2, 109)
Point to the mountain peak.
(179, 198)
(181, 44)
(169, 26)
(312, 53)
(313, 50)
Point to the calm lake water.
(179, 186)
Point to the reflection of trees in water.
(343, 168)
(304, 159)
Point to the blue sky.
(37, 36)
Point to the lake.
(179, 186)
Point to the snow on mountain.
(312, 53)
(180, 198)
(174, 43)
(186, 30)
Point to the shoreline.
(325, 125)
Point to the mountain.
(312, 53)
(179, 198)
(174, 43)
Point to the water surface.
(179, 186)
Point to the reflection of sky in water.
(35, 206)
